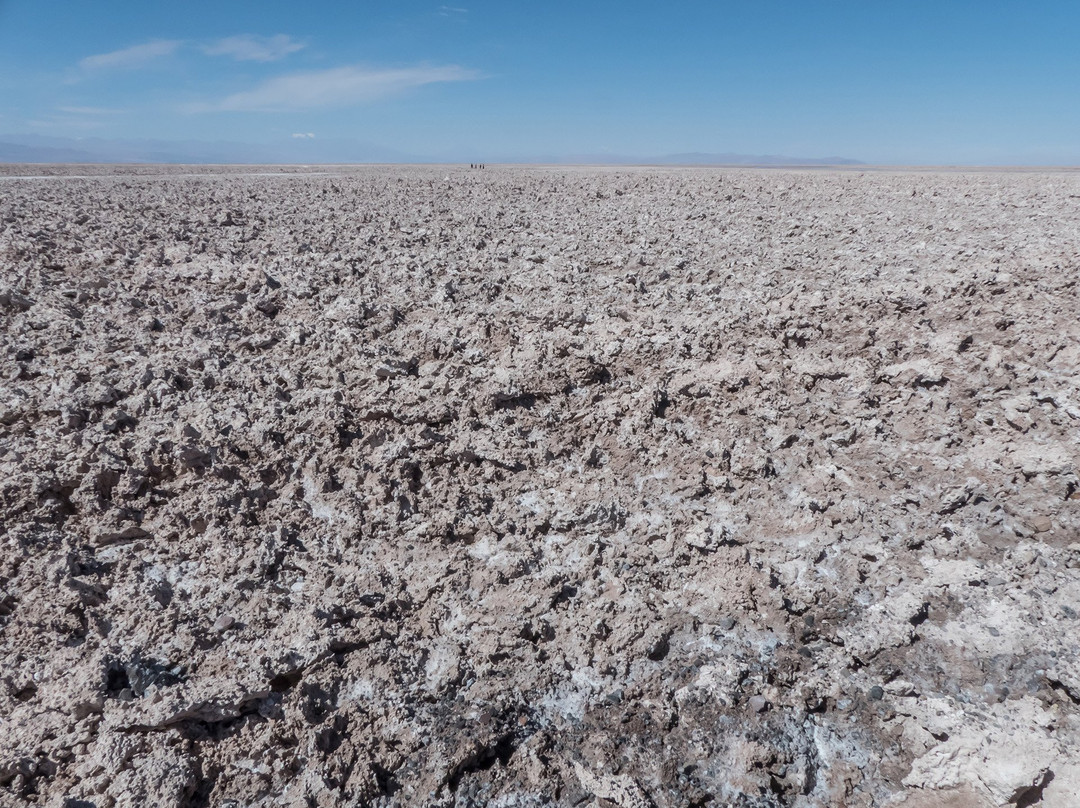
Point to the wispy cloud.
(253, 48)
(448, 11)
(59, 123)
(304, 135)
(338, 87)
(89, 110)
(135, 56)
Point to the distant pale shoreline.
(29, 171)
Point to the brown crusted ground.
(539, 487)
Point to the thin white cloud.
(55, 123)
(338, 87)
(446, 11)
(135, 56)
(89, 110)
(253, 48)
(304, 135)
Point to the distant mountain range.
(691, 159)
(701, 158)
(308, 150)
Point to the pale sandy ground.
(539, 486)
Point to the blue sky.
(878, 80)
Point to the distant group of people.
(477, 165)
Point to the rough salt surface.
(391, 486)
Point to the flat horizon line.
(615, 165)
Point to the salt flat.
(539, 486)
